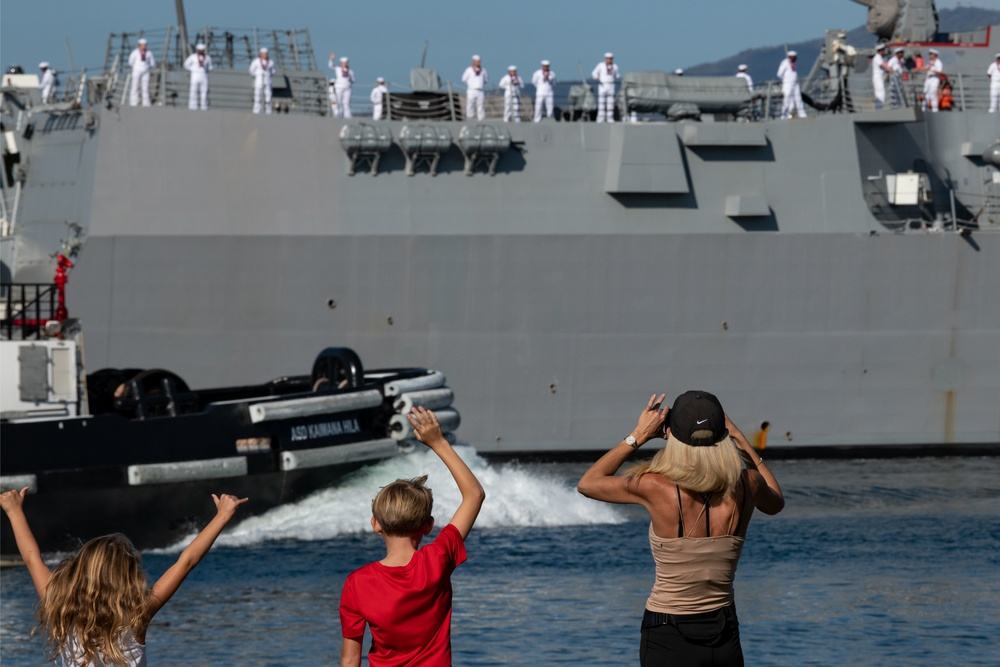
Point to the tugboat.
(137, 451)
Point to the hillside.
(763, 62)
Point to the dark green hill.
(763, 62)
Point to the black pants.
(692, 640)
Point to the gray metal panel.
(33, 362)
(723, 134)
(645, 159)
(747, 206)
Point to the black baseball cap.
(697, 412)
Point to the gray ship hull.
(601, 263)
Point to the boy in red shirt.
(405, 598)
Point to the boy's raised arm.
(428, 431)
(12, 503)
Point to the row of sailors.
(606, 74)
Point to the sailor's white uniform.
(141, 62)
(746, 77)
(199, 64)
(344, 79)
(378, 100)
(262, 71)
(512, 85)
(332, 95)
(48, 84)
(475, 82)
(994, 73)
(932, 83)
(878, 80)
(543, 81)
(606, 76)
(790, 90)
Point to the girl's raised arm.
(13, 504)
(172, 579)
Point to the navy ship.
(832, 278)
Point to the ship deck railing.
(26, 309)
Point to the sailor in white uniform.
(48, 83)
(378, 98)
(543, 79)
(792, 95)
(511, 84)
(896, 68)
(993, 71)
(262, 69)
(878, 76)
(607, 75)
(344, 80)
(933, 81)
(199, 64)
(141, 62)
(475, 79)
(741, 73)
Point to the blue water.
(872, 563)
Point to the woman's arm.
(13, 504)
(172, 579)
(767, 496)
(600, 482)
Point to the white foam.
(516, 496)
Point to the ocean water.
(872, 562)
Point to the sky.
(384, 38)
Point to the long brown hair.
(92, 599)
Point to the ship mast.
(182, 29)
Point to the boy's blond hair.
(403, 507)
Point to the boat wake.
(516, 496)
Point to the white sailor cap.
(936, 52)
(742, 68)
(898, 49)
(512, 68)
(380, 80)
(43, 65)
(609, 55)
(880, 46)
(679, 72)
(143, 40)
(476, 57)
(263, 49)
(343, 59)
(199, 47)
(997, 56)
(546, 62)
(792, 54)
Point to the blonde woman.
(96, 605)
(700, 491)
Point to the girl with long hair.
(96, 605)
(700, 491)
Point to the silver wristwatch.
(630, 441)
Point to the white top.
(993, 72)
(605, 73)
(475, 80)
(135, 653)
(746, 77)
(378, 93)
(140, 65)
(878, 66)
(512, 84)
(895, 66)
(198, 63)
(541, 84)
(344, 76)
(934, 68)
(787, 73)
(262, 71)
(47, 84)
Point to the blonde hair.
(403, 507)
(700, 469)
(94, 597)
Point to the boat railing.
(27, 309)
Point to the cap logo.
(701, 421)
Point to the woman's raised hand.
(652, 421)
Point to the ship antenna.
(423, 56)
(182, 30)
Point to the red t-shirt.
(408, 608)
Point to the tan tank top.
(693, 574)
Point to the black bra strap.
(680, 513)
